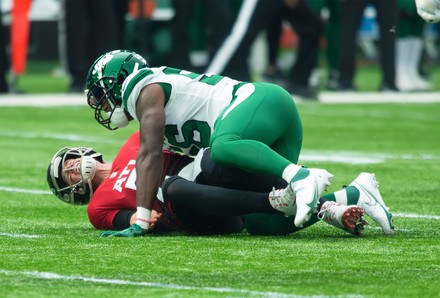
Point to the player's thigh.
(262, 112)
(289, 145)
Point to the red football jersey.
(118, 191)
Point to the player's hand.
(154, 218)
(133, 231)
(429, 10)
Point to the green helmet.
(104, 82)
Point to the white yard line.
(55, 276)
(22, 190)
(354, 157)
(43, 100)
(13, 235)
(417, 216)
(355, 160)
(59, 136)
(379, 97)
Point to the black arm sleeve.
(121, 220)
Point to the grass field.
(48, 248)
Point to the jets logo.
(100, 65)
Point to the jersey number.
(195, 135)
(210, 79)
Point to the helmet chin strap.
(118, 118)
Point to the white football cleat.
(283, 200)
(429, 10)
(371, 201)
(308, 186)
(347, 218)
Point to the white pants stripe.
(232, 42)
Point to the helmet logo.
(99, 66)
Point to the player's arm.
(429, 10)
(149, 162)
(125, 224)
(125, 218)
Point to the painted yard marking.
(13, 235)
(55, 276)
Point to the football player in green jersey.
(252, 126)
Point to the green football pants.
(260, 131)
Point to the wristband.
(143, 217)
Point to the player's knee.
(219, 152)
(225, 149)
(216, 155)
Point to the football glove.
(133, 231)
(429, 10)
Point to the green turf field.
(48, 248)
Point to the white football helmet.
(78, 193)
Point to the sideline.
(62, 99)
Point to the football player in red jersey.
(80, 175)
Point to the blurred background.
(46, 46)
